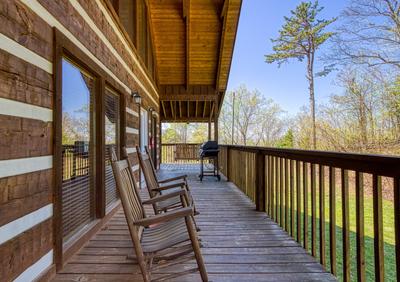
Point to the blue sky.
(75, 92)
(260, 20)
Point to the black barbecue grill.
(209, 150)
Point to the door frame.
(63, 48)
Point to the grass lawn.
(389, 236)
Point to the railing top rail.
(166, 144)
(368, 163)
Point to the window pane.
(77, 93)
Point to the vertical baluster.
(332, 219)
(282, 192)
(322, 214)
(360, 226)
(267, 185)
(272, 183)
(378, 228)
(287, 195)
(396, 188)
(292, 199)
(305, 205)
(277, 189)
(346, 225)
(313, 212)
(298, 199)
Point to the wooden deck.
(239, 244)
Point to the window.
(77, 148)
(142, 30)
(126, 9)
(112, 127)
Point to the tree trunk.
(310, 77)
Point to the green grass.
(389, 236)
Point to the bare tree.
(369, 34)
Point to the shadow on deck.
(239, 244)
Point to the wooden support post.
(227, 163)
(397, 222)
(260, 181)
(216, 129)
(209, 130)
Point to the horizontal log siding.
(23, 26)
(19, 253)
(24, 138)
(23, 82)
(29, 138)
(22, 194)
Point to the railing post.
(227, 163)
(260, 181)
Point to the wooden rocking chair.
(182, 177)
(156, 187)
(162, 240)
(170, 203)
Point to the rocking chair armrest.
(173, 178)
(164, 217)
(164, 197)
(173, 185)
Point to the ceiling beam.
(221, 43)
(186, 15)
(188, 97)
(224, 9)
(185, 119)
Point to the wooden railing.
(180, 153)
(342, 193)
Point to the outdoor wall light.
(138, 99)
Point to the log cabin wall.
(28, 240)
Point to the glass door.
(78, 91)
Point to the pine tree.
(300, 37)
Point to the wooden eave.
(193, 43)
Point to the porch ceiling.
(193, 41)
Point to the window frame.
(65, 48)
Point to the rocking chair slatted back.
(130, 198)
(148, 172)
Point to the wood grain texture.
(22, 194)
(19, 253)
(232, 252)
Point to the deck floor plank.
(239, 244)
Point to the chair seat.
(165, 235)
